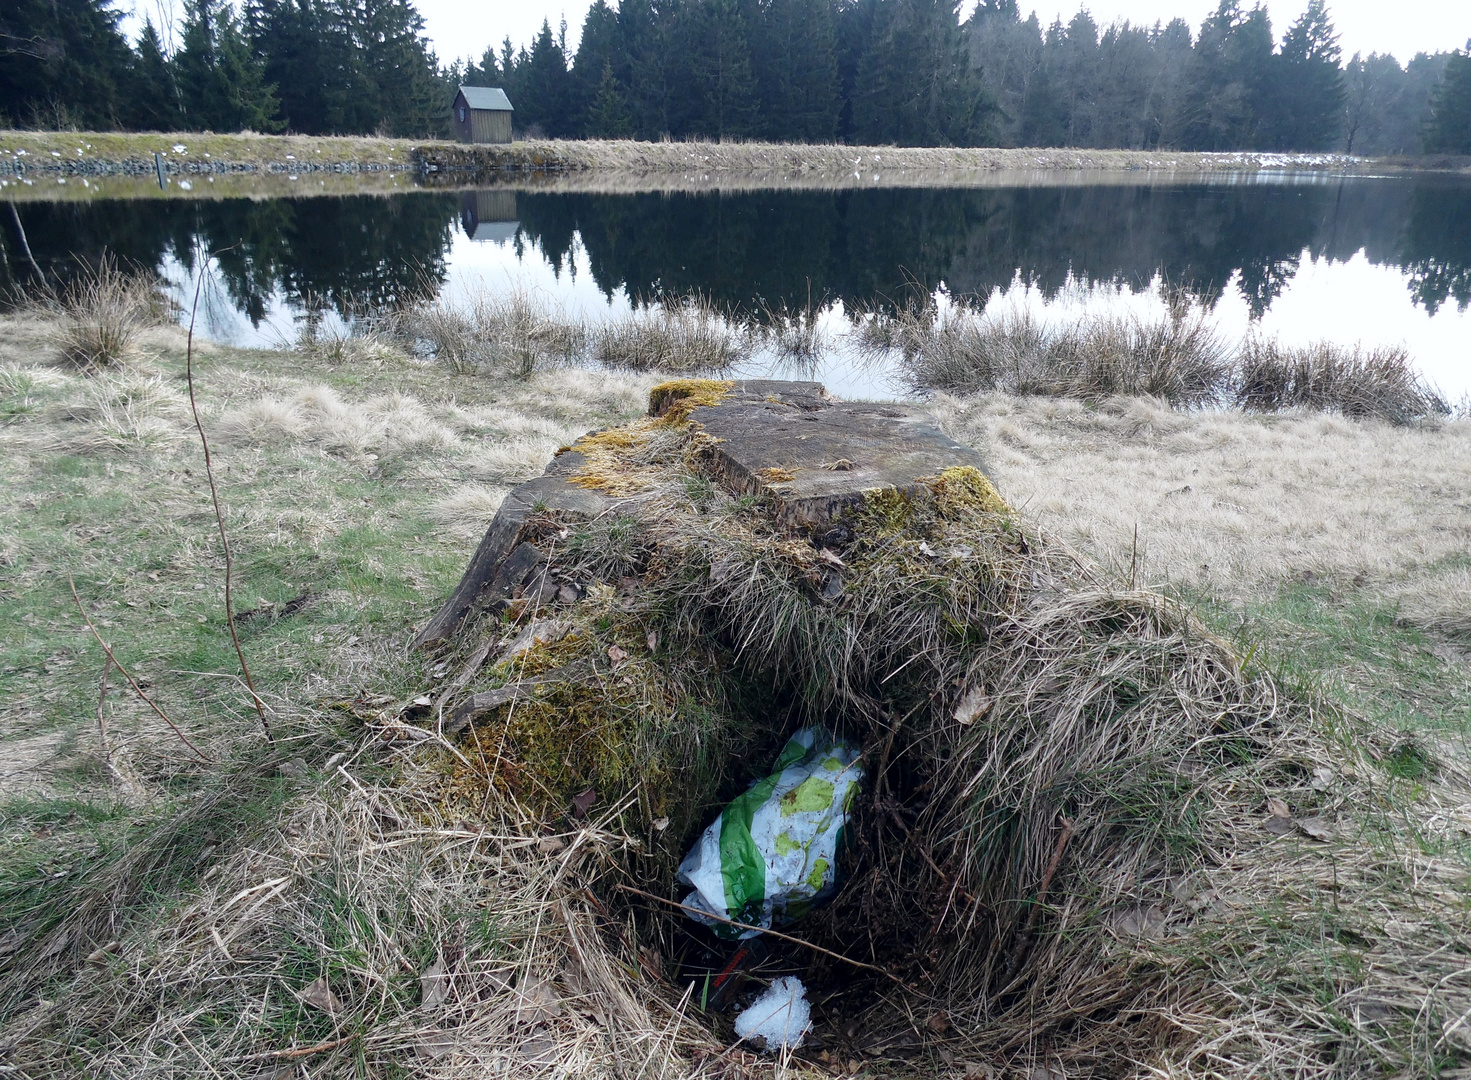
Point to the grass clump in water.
(1380, 383)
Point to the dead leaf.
(538, 1050)
(583, 801)
(616, 655)
(1316, 827)
(1146, 922)
(973, 705)
(55, 945)
(537, 1000)
(11, 939)
(434, 985)
(938, 1023)
(1277, 808)
(660, 824)
(653, 640)
(1047, 1072)
(831, 558)
(434, 1045)
(1278, 826)
(976, 1070)
(1322, 778)
(99, 956)
(319, 995)
(550, 845)
(925, 549)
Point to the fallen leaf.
(422, 701)
(99, 956)
(831, 558)
(434, 985)
(973, 705)
(550, 845)
(1322, 778)
(537, 1000)
(976, 1070)
(1278, 826)
(925, 549)
(1316, 827)
(938, 1023)
(582, 802)
(11, 939)
(55, 945)
(616, 655)
(660, 824)
(1277, 808)
(538, 1050)
(653, 641)
(319, 995)
(1146, 922)
(434, 1045)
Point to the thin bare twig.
(209, 472)
(102, 714)
(128, 675)
(765, 930)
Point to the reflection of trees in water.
(794, 248)
(862, 245)
(335, 252)
(1438, 247)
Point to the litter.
(772, 853)
(781, 1015)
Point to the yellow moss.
(605, 455)
(890, 506)
(775, 475)
(675, 399)
(964, 490)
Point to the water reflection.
(1236, 245)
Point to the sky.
(461, 28)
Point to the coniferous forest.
(907, 72)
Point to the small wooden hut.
(482, 114)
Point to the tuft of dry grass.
(517, 333)
(1380, 382)
(1178, 358)
(103, 313)
(688, 335)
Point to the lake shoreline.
(31, 155)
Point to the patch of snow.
(179, 148)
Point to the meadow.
(241, 907)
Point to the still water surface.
(1302, 257)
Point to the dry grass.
(102, 314)
(1229, 503)
(688, 335)
(516, 333)
(458, 936)
(1379, 382)
(961, 350)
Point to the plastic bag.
(772, 853)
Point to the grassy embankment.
(62, 152)
(1329, 550)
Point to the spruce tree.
(155, 104)
(62, 63)
(796, 63)
(1305, 111)
(222, 84)
(610, 116)
(1449, 129)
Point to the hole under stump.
(894, 910)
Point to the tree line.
(908, 72)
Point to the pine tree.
(796, 62)
(1449, 129)
(719, 35)
(62, 63)
(543, 86)
(222, 84)
(610, 116)
(1305, 111)
(599, 57)
(155, 95)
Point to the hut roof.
(486, 97)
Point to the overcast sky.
(463, 28)
(1401, 27)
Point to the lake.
(1304, 257)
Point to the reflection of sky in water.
(1344, 301)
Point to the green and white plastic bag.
(772, 853)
